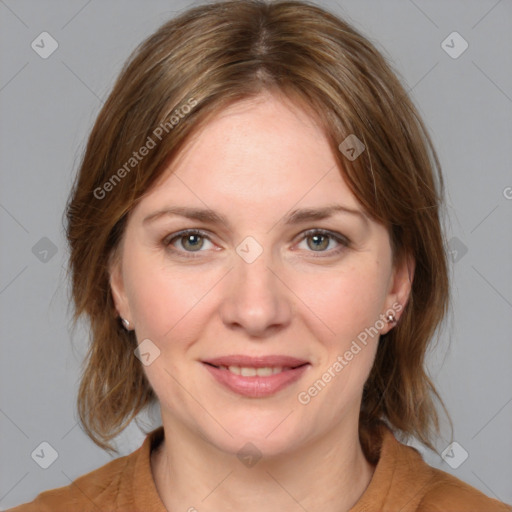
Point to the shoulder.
(403, 481)
(85, 493)
(448, 493)
(125, 483)
(439, 491)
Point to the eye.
(317, 240)
(191, 240)
(321, 239)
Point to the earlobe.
(400, 291)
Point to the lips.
(256, 377)
(256, 361)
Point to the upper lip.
(256, 361)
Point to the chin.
(271, 432)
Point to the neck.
(329, 474)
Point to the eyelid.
(327, 232)
(342, 240)
(167, 241)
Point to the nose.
(256, 299)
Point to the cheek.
(161, 298)
(344, 301)
(348, 304)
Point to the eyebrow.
(295, 217)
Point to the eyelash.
(343, 241)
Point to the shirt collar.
(390, 488)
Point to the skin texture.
(253, 163)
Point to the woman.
(255, 237)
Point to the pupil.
(317, 238)
(189, 240)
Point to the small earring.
(391, 318)
(126, 324)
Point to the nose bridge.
(254, 280)
(256, 298)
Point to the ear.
(117, 286)
(400, 288)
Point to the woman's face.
(262, 288)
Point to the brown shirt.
(402, 481)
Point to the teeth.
(248, 372)
(253, 372)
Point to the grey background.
(47, 109)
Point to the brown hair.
(191, 68)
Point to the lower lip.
(256, 387)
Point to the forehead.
(262, 152)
